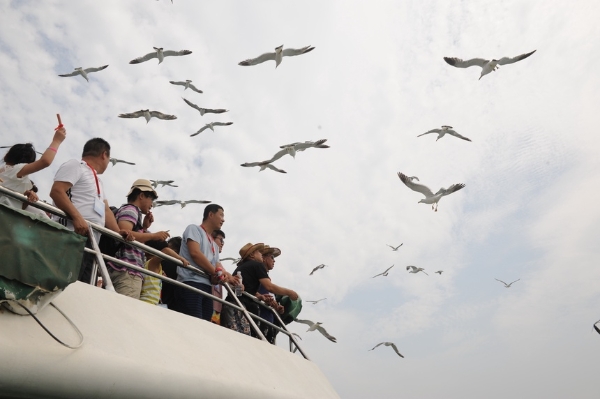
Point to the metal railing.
(100, 266)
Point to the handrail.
(100, 257)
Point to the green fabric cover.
(37, 255)
(291, 308)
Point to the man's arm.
(109, 218)
(275, 289)
(141, 236)
(58, 193)
(198, 257)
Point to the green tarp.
(37, 256)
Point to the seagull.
(187, 85)
(414, 269)
(263, 165)
(291, 149)
(394, 248)
(184, 203)
(317, 326)
(147, 114)
(596, 327)
(84, 72)
(506, 285)
(388, 344)
(430, 197)
(233, 260)
(277, 56)
(160, 54)
(487, 66)
(439, 272)
(211, 127)
(166, 202)
(317, 268)
(163, 183)
(441, 132)
(315, 302)
(205, 110)
(385, 273)
(115, 161)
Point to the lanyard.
(210, 240)
(95, 177)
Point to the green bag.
(40, 258)
(291, 308)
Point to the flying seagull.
(441, 132)
(115, 161)
(184, 203)
(233, 260)
(487, 66)
(84, 72)
(385, 273)
(205, 110)
(160, 54)
(263, 165)
(317, 268)
(317, 326)
(186, 85)
(414, 269)
(596, 327)
(388, 344)
(163, 183)
(394, 248)
(315, 302)
(292, 148)
(166, 202)
(211, 127)
(147, 114)
(276, 56)
(430, 197)
(506, 285)
(439, 272)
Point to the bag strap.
(138, 226)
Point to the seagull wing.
(213, 111)
(278, 155)
(160, 115)
(500, 281)
(455, 134)
(197, 90)
(196, 202)
(290, 52)
(222, 123)
(172, 53)
(307, 322)
(272, 167)
(258, 60)
(413, 268)
(380, 274)
(144, 58)
(75, 73)
(203, 128)
(177, 83)
(326, 335)
(136, 114)
(451, 189)
(379, 344)
(191, 104)
(514, 282)
(508, 60)
(394, 347)
(88, 70)
(415, 186)
(458, 63)
(596, 327)
(431, 131)
(389, 268)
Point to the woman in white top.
(20, 162)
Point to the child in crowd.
(20, 162)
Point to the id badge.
(99, 207)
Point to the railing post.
(99, 261)
(246, 313)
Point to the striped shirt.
(151, 287)
(128, 253)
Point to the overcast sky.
(375, 80)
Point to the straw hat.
(267, 250)
(142, 185)
(249, 249)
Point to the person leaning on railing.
(78, 191)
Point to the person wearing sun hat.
(140, 198)
(269, 254)
(254, 273)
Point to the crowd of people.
(78, 191)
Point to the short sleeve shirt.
(252, 272)
(129, 253)
(8, 175)
(207, 246)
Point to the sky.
(375, 80)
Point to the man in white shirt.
(78, 191)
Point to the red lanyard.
(210, 240)
(95, 177)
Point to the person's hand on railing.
(233, 280)
(148, 219)
(161, 235)
(126, 234)
(80, 225)
(31, 196)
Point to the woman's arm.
(47, 157)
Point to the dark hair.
(175, 243)
(211, 208)
(95, 147)
(159, 245)
(136, 192)
(20, 153)
(217, 233)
